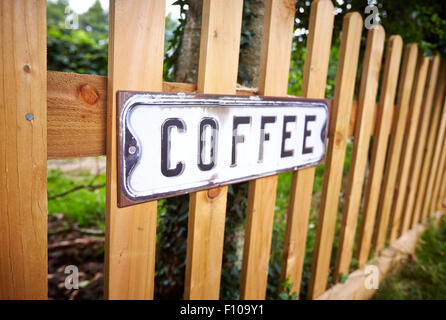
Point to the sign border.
(126, 161)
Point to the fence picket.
(23, 147)
(367, 99)
(436, 199)
(396, 144)
(380, 143)
(435, 204)
(273, 81)
(442, 190)
(342, 105)
(217, 73)
(419, 146)
(426, 212)
(429, 150)
(313, 86)
(407, 152)
(131, 231)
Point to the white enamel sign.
(171, 144)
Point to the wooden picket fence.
(47, 115)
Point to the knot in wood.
(89, 94)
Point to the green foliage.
(173, 42)
(76, 51)
(85, 206)
(170, 263)
(82, 50)
(95, 21)
(286, 293)
(424, 277)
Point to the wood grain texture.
(313, 86)
(440, 177)
(342, 105)
(441, 200)
(273, 81)
(419, 147)
(23, 193)
(380, 144)
(400, 191)
(135, 63)
(430, 146)
(345, 82)
(396, 144)
(77, 108)
(352, 200)
(217, 73)
(426, 212)
(435, 203)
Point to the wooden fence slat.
(135, 63)
(23, 143)
(380, 143)
(400, 190)
(218, 65)
(441, 200)
(313, 86)
(435, 203)
(352, 200)
(273, 81)
(426, 212)
(436, 199)
(396, 144)
(342, 105)
(429, 150)
(419, 146)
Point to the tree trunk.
(250, 53)
(187, 62)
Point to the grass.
(86, 205)
(424, 276)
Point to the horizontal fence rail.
(77, 113)
(395, 181)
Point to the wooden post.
(396, 144)
(363, 129)
(313, 86)
(419, 148)
(135, 63)
(340, 113)
(273, 81)
(407, 152)
(436, 203)
(429, 152)
(380, 143)
(218, 65)
(426, 212)
(23, 147)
